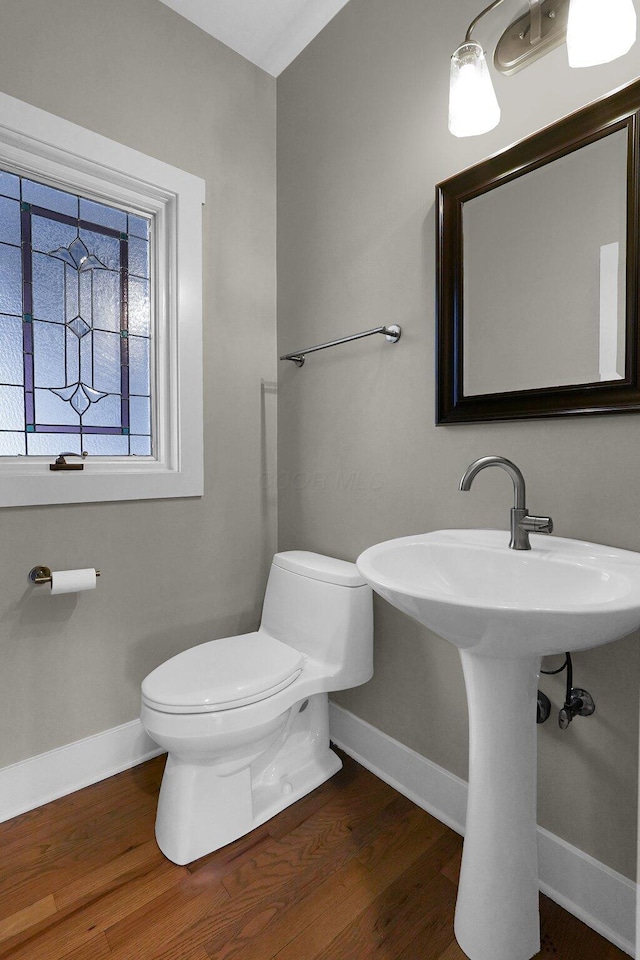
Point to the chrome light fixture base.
(538, 32)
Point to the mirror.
(537, 274)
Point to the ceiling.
(270, 33)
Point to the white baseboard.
(600, 897)
(38, 780)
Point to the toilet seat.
(223, 674)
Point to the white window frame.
(39, 145)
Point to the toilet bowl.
(245, 719)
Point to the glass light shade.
(599, 32)
(473, 106)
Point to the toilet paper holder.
(41, 574)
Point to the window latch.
(61, 463)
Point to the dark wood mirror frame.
(619, 111)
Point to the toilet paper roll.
(73, 581)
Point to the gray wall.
(362, 141)
(175, 572)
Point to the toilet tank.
(322, 607)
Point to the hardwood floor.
(351, 872)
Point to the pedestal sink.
(505, 609)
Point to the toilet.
(245, 719)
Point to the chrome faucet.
(521, 523)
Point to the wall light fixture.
(594, 32)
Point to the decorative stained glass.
(75, 324)
(10, 187)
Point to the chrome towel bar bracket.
(391, 333)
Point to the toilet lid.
(221, 674)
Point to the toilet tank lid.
(318, 567)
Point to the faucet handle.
(522, 524)
(536, 524)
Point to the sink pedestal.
(497, 913)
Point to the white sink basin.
(470, 588)
(504, 609)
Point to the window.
(75, 325)
(100, 316)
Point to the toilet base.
(204, 805)
(273, 798)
